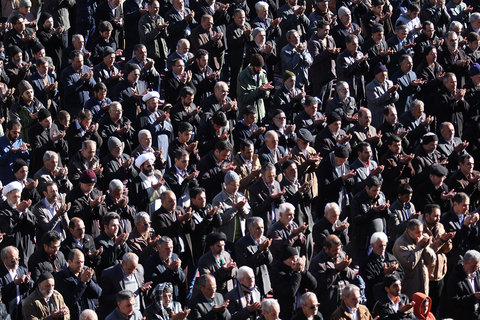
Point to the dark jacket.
(9, 290)
(77, 294)
(40, 262)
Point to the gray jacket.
(228, 213)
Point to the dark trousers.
(435, 292)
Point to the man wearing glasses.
(309, 308)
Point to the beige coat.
(306, 170)
(415, 261)
(438, 269)
(36, 308)
(342, 313)
(247, 178)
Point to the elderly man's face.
(291, 173)
(248, 280)
(11, 259)
(257, 230)
(310, 308)
(14, 197)
(365, 119)
(232, 187)
(165, 250)
(353, 300)
(287, 216)
(46, 287)
(129, 267)
(143, 225)
(379, 247)
(146, 140)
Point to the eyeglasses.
(315, 306)
(146, 224)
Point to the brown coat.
(246, 176)
(35, 306)
(306, 170)
(200, 39)
(438, 269)
(342, 313)
(415, 262)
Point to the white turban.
(14, 185)
(150, 95)
(144, 157)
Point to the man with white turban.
(147, 187)
(17, 222)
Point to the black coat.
(460, 297)
(202, 309)
(287, 284)
(261, 202)
(19, 230)
(88, 247)
(81, 208)
(247, 254)
(77, 295)
(40, 262)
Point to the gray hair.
(220, 84)
(304, 298)
(261, 4)
(270, 134)
(331, 206)
(6, 250)
(286, 206)
(49, 154)
(349, 289)
(130, 257)
(115, 185)
(163, 240)
(140, 216)
(182, 41)
(413, 224)
(471, 255)
(416, 103)
(88, 314)
(378, 236)
(474, 16)
(251, 222)
(268, 304)
(454, 25)
(341, 84)
(142, 133)
(76, 37)
(115, 104)
(243, 270)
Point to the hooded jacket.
(419, 297)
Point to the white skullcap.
(343, 11)
(144, 157)
(150, 95)
(14, 185)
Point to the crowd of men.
(196, 159)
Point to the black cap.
(288, 252)
(44, 276)
(305, 135)
(333, 117)
(438, 170)
(18, 164)
(429, 137)
(107, 51)
(214, 237)
(130, 67)
(43, 114)
(341, 152)
(287, 164)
